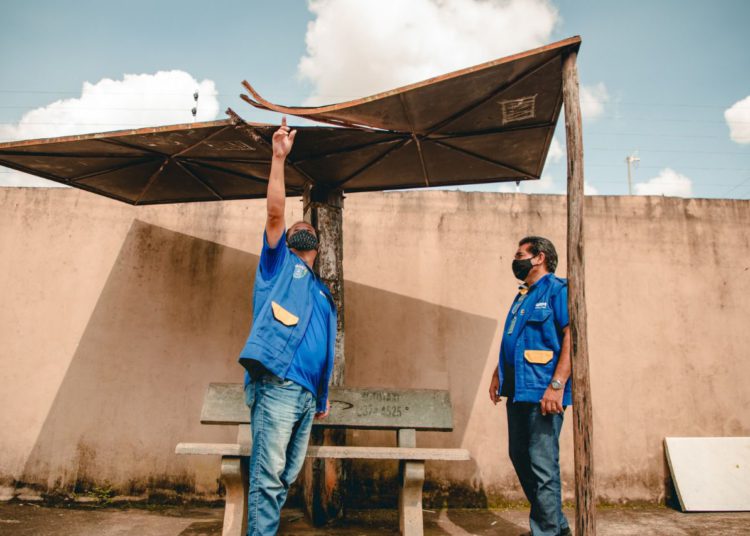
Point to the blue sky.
(659, 76)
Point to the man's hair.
(537, 245)
(300, 221)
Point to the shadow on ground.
(19, 519)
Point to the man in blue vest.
(533, 373)
(289, 353)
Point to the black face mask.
(521, 268)
(302, 240)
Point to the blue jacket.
(539, 340)
(282, 307)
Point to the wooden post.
(582, 420)
(323, 479)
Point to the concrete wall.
(115, 318)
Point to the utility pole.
(630, 160)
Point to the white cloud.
(667, 182)
(138, 100)
(545, 185)
(556, 152)
(593, 100)
(357, 48)
(738, 120)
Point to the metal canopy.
(489, 123)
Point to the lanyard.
(514, 310)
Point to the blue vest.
(282, 307)
(538, 345)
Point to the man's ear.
(543, 257)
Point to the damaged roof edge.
(572, 43)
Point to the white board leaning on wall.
(710, 474)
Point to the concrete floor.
(26, 519)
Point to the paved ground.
(24, 519)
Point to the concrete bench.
(403, 411)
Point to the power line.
(619, 166)
(738, 185)
(357, 96)
(734, 185)
(642, 119)
(677, 105)
(670, 120)
(102, 108)
(596, 132)
(655, 134)
(128, 109)
(615, 149)
(599, 149)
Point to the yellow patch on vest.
(283, 316)
(538, 357)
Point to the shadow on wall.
(396, 341)
(172, 316)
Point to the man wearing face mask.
(533, 373)
(288, 356)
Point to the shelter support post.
(582, 413)
(324, 479)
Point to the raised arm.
(276, 195)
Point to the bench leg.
(410, 498)
(234, 477)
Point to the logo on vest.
(300, 271)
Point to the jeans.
(281, 416)
(535, 452)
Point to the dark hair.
(315, 232)
(538, 245)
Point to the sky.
(667, 82)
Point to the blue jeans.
(281, 416)
(535, 452)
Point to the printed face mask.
(302, 240)
(521, 268)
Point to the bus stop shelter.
(489, 123)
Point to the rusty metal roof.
(489, 123)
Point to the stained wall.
(114, 319)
